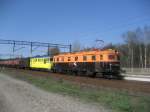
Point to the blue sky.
(65, 21)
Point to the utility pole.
(70, 48)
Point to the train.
(105, 63)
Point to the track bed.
(134, 87)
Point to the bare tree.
(139, 34)
(146, 42)
(53, 51)
(138, 47)
(131, 41)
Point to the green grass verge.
(114, 100)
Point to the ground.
(19, 96)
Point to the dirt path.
(19, 96)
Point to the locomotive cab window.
(111, 57)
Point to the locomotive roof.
(89, 52)
(41, 57)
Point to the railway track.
(145, 78)
(135, 87)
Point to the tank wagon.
(92, 63)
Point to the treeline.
(135, 51)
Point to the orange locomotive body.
(95, 62)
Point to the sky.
(67, 21)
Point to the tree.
(53, 51)
(146, 42)
(139, 34)
(136, 49)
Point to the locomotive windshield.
(111, 57)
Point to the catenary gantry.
(33, 45)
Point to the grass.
(115, 100)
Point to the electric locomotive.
(95, 62)
(41, 63)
